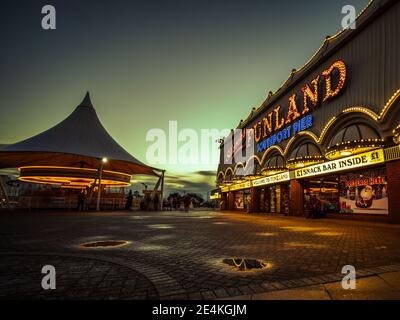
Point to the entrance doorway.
(275, 199)
(322, 193)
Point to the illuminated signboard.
(356, 161)
(240, 186)
(224, 189)
(215, 196)
(279, 124)
(285, 176)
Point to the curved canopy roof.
(78, 141)
(353, 132)
(276, 161)
(305, 150)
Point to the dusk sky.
(204, 64)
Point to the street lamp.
(103, 161)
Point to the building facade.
(329, 137)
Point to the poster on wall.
(239, 200)
(364, 193)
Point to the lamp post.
(103, 161)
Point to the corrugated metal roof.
(328, 47)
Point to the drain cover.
(243, 264)
(104, 244)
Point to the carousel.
(74, 157)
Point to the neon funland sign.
(276, 127)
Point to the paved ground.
(174, 255)
(76, 278)
(383, 286)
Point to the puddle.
(161, 226)
(104, 244)
(302, 229)
(266, 234)
(150, 247)
(243, 264)
(295, 244)
(139, 217)
(328, 234)
(203, 217)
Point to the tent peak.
(86, 102)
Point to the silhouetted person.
(186, 202)
(222, 205)
(248, 205)
(81, 201)
(129, 201)
(156, 202)
(147, 202)
(314, 208)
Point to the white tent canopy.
(78, 141)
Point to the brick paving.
(384, 286)
(110, 278)
(76, 278)
(175, 255)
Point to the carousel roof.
(78, 141)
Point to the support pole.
(162, 190)
(3, 193)
(103, 161)
(91, 193)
